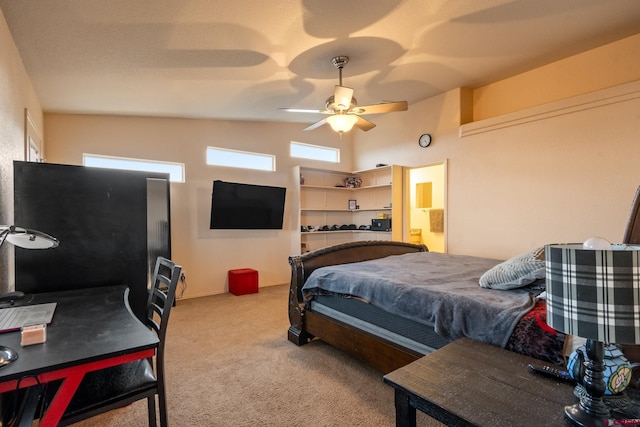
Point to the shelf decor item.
(353, 182)
(353, 205)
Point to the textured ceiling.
(243, 59)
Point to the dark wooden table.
(91, 329)
(468, 383)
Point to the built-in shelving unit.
(324, 200)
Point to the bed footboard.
(303, 265)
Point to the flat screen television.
(237, 206)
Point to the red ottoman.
(243, 281)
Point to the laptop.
(14, 318)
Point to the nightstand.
(468, 383)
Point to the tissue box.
(243, 281)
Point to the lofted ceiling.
(243, 59)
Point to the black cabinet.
(111, 225)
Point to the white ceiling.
(243, 59)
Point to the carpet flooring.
(229, 363)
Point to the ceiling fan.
(343, 110)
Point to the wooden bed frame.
(632, 232)
(382, 354)
(306, 324)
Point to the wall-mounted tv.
(246, 206)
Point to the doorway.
(425, 202)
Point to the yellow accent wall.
(420, 218)
(607, 66)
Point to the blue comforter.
(432, 288)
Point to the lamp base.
(15, 299)
(615, 402)
(579, 417)
(11, 296)
(591, 411)
(7, 355)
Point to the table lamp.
(593, 291)
(28, 239)
(24, 238)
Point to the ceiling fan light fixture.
(342, 122)
(342, 108)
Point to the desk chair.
(115, 387)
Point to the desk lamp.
(28, 239)
(24, 238)
(593, 291)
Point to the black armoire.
(111, 224)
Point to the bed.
(356, 317)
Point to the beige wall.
(16, 95)
(557, 178)
(562, 178)
(564, 174)
(206, 255)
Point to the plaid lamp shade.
(594, 294)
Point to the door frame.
(406, 199)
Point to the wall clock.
(425, 140)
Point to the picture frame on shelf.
(353, 205)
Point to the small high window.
(175, 170)
(315, 152)
(240, 159)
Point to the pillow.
(516, 272)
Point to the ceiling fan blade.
(385, 107)
(364, 124)
(303, 110)
(342, 97)
(316, 124)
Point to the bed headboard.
(632, 233)
(632, 236)
(303, 265)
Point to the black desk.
(92, 329)
(468, 383)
